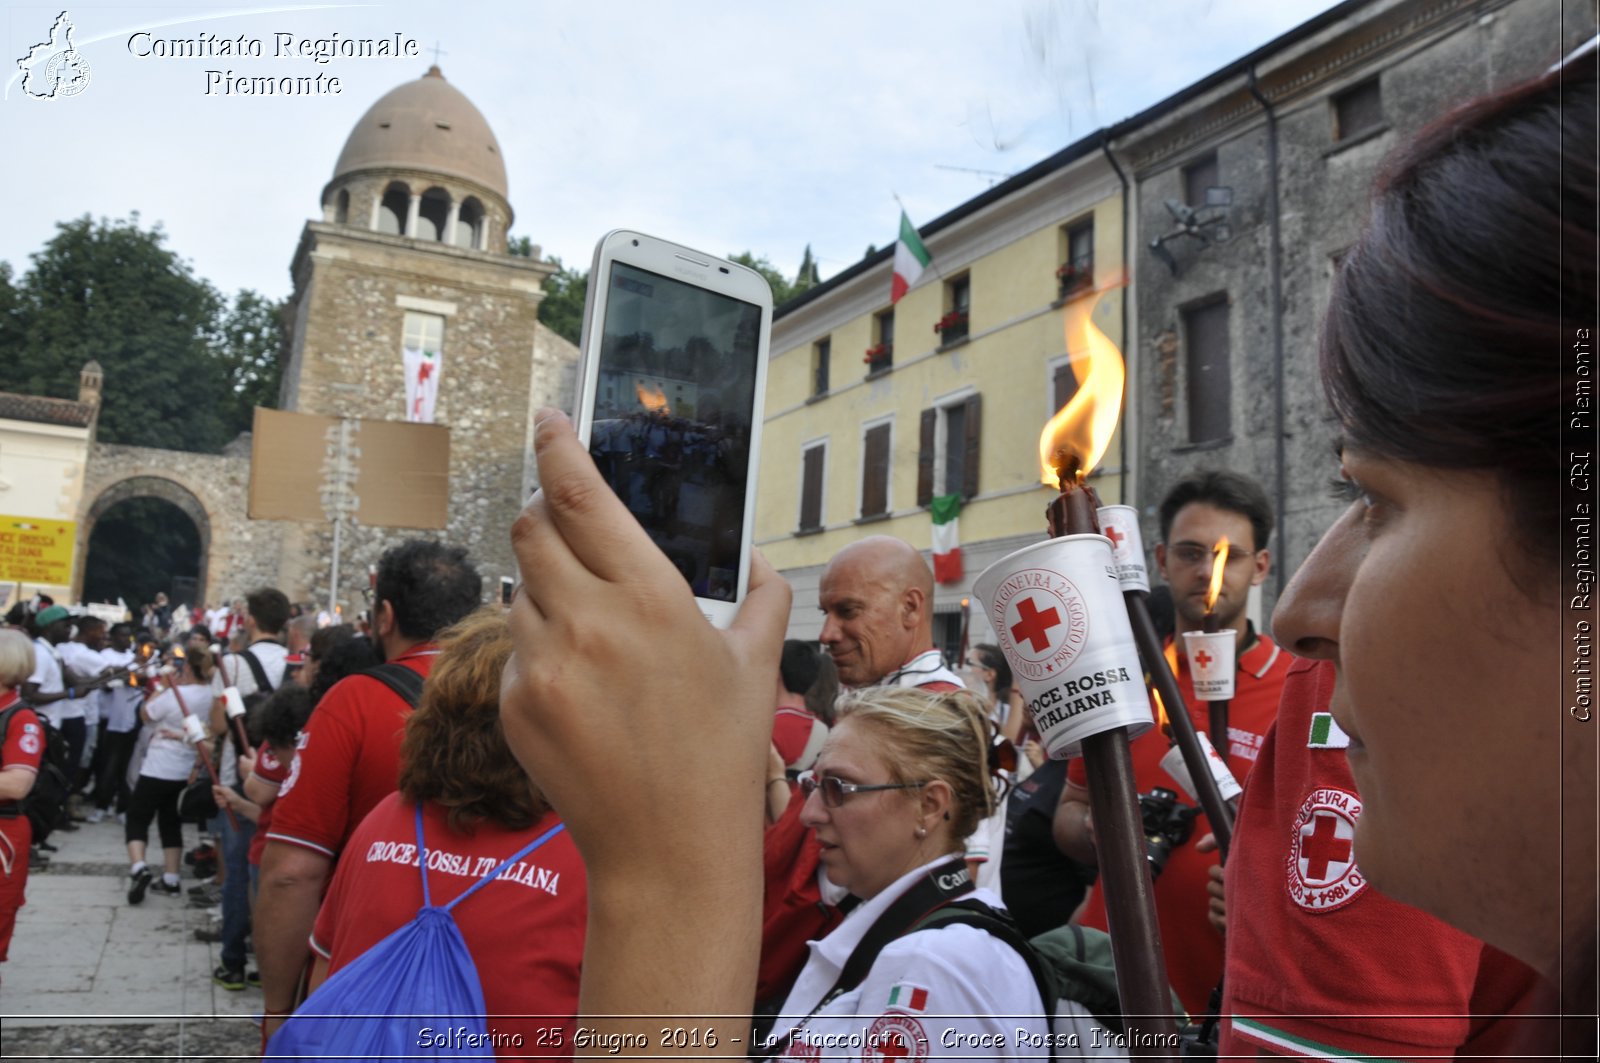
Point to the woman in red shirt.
(21, 746)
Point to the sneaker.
(95, 816)
(161, 887)
(141, 882)
(198, 853)
(46, 847)
(211, 935)
(205, 869)
(230, 978)
(199, 889)
(209, 896)
(254, 979)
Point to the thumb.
(1207, 844)
(764, 614)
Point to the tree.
(808, 274)
(519, 247)
(564, 293)
(111, 292)
(250, 344)
(782, 290)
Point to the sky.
(727, 126)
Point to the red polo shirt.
(347, 761)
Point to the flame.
(1161, 711)
(177, 651)
(1076, 438)
(1218, 563)
(654, 400)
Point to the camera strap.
(936, 888)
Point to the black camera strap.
(940, 885)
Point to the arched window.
(469, 226)
(393, 209)
(341, 207)
(433, 215)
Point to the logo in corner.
(1322, 867)
(54, 68)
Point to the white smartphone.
(669, 402)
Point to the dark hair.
(281, 715)
(993, 659)
(428, 585)
(269, 608)
(1449, 332)
(823, 694)
(1231, 491)
(799, 665)
(324, 639)
(454, 752)
(121, 628)
(87, 621)
(344, 658)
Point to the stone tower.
(410, 252)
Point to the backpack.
(371, 1008)
(48, 799)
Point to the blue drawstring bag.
(420, 976)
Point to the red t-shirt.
(525, 929)
(347, 760)
(1193, 949)
(791, 731)
(22, 746)
(271, 770)
(1320, 964)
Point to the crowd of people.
(632, 817)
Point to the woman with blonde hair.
(901, 783)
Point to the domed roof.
(426, 124)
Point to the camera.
(1167, 825)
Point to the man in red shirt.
(348, 757)
(1195, 514)
(797, 734)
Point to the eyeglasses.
(835, 790)
(1191, 554)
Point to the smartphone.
(669, 402)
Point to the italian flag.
(946, 511)
(908, 997)
(910, 259)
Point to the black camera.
(1167, 825)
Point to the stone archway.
(166, 490)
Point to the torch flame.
(177, 651)
(1218, 563)
(1161, 711)
(654, 400)
(1076, 438)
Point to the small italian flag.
(1326, 734)
(910, 259)
(908, 997)
(946, 510)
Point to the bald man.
(878, 597)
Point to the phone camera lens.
(636, 243)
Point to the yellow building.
(871, 410)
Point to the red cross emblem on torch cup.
(1203, 659)
(1116, 537)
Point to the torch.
(1058, 614)
(1196, 764)
(232, 701)
(1212, 653)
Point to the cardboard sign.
(35, 550)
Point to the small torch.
(1212, 653)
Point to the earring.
(922, 832)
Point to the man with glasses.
(1195, 516)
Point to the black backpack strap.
(400, 679)
(975, 913)
(259, 672)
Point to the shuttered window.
(875, 471)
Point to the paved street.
(90, 975)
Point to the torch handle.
(211, 772)
(1219, 726)
(1129, 893)
(1194, 758)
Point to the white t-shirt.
(171, 757)
(47, 674)
(119, 702)
(929, 995)
(234, 671)
(86, 663)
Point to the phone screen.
(673, 402)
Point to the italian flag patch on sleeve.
(1325, 733)
(908, 997)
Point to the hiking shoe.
(162, 887)
(141, 882)
(230, 978)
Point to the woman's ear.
(935, 803)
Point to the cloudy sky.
(723, 125)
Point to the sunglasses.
(835, 790)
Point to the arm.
(1216, 887)
(777, 786)
(1073, 828)
(1016, 716)
(31, 694)
(259, 790)
(292, 878)
(601, 616)
(16, 782)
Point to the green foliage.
(182, 367)
(520, 247)
(252, 348)
(564, 292)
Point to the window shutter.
(969, 486)
(1065, 384)
(930, 423)
(811, 490)
(875, 483)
